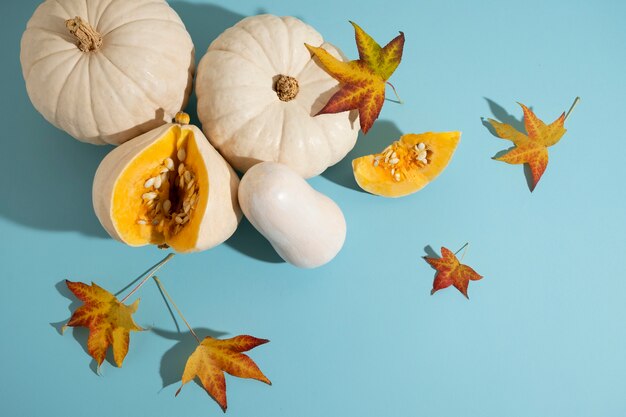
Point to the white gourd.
(305, 227)
(259, 90)
(106, 71)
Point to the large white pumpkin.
(259, 90)
(106, 71)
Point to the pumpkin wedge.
(168, 187)
(407, 165)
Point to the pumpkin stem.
(88, 39)
(286, 87)
(181, 118)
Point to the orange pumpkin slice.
(407, 165)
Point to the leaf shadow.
(382, 133)
(174, 360)
(80, 334)
(501, 115)
(430, 252)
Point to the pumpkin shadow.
(46, 175)
(502, 116)
(248, 241)
(174, 360)
(382, 133)
(204, 22)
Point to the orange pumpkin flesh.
(143, 221)
(407, 165)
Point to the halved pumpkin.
(407, 165)
(167, 187)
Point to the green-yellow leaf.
(362, 80)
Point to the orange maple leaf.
(109, 321)
(362, 80)
(213, 357)
(451, 272)
(531, 149)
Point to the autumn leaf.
(362, 80)
(109, 321)
(213, 357)
(531, 149)
(451, 272)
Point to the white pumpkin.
(259, 90)
(172, 165)
(106, 71)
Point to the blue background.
(543, 333)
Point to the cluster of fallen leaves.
(362, 87)
(110, 322)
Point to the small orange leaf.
(531, 149)
(451, 272)
(363, 80)
(213, 357)
(109, 321)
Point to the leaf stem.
(158, 282)
(396, 93)
(576, 100)
(460, 249)
(149, 274)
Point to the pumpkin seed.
(149, 183)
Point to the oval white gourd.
(241, 112)
(134, 74)
(305, 227)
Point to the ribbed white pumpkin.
(134, 80)
(241, 112)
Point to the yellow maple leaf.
(108, 320)
(531, 148)
(362, 80)
(213, 357)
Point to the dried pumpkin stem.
(399, 100)
(89, 39)
(286, 87)
(460, 249)
(158, 282)
(576, 100)
(149, 275)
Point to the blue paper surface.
(543, 333)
